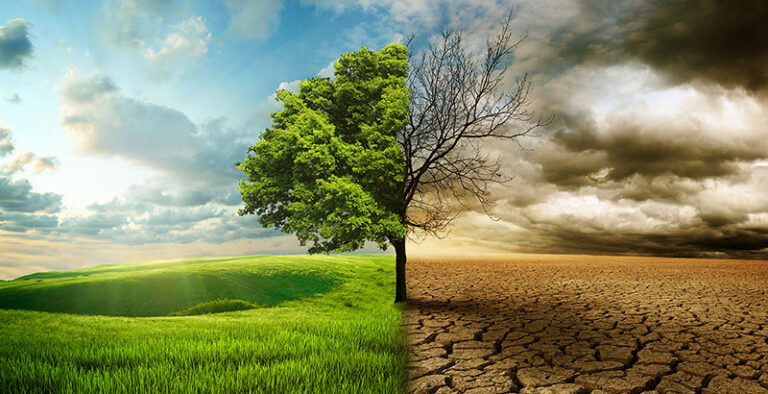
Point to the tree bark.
(400, 289)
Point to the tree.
(381, 152)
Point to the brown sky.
(659, 143)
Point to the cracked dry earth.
(576, 324)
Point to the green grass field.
(322, 324)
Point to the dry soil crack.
(549, 324)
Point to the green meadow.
(262, 324)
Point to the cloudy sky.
(121, 121)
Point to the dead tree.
(458, 101)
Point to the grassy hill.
(315, 324)
(158, 289)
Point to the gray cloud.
(176, 217)
(718, 41)
(105, 123)
(699, 242)
(647, 150)
(23, 222)
(22, 209)
(17, 196)
(644, 178)
(134, 223)
(168, 192)
(685, 40)
(95, 225)
(15, 46)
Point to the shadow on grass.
(161, 293)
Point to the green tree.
(331, 169)
(383, 150)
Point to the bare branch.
(458, 100)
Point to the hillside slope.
(327, 324)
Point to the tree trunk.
(400, 290)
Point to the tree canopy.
(331, 169)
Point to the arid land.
(586, 324)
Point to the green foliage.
(330, 169)
(216, 306)
(304, 345)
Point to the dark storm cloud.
(567, 168)
(658, 146)
(633, 188)
(596, 33)
(721, 41)
(643, 150)
(731, 242)
(631, 153)
(15, 46)
(670, 188)
(687, 40)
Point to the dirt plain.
(586, 324)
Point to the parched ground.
(581, 324)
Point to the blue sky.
(126, 117)
(121, 120)
(231, 79)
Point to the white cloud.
(187, 42)
(86, 90)
(39, 164)
(129, 23)
(292, 86)
(104, 122)
(193, 191)
(327, 71)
